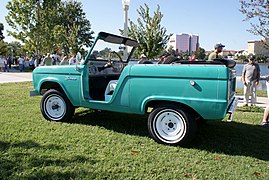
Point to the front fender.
(71, 89)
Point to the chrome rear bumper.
(232, 109)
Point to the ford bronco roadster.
(175, 95)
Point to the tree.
(149, 33)
(32, 22)
(1, 31)
(73, 30)
(256, 11)
(45, 26)
(171, 51)
(200, 53)
(3, 47)
(15, 49)
(242, 58)
(105, 52)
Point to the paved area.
(261, 101)
(6, 77)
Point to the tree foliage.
(3, 45)
(3, 48)
(257, 12)
(74, 30)
(44, 26)
(1, 31)
(149, 33)
(200, 53)
(16, 49)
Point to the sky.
(214, 21)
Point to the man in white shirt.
(1, 64)
(5, 65)
(21, 63)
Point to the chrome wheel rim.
(55, 107)
(170, 125)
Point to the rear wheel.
(55, 106)
(171, 125)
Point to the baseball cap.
(219, 45)
(251, 57)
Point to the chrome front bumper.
(34, 93)
(232, 109)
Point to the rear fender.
(155, 102)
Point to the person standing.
(216, 53)
(267, 83)
(32, 62)
(56, 58)
(6, 65)
(193, 57)
(250, 79)
(73, 60)
(65, 60)
(9, 61)
(21, 63)
(47, 61)
(1, 64)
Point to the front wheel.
(171, 125)
(55, 106)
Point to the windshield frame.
(114, 39)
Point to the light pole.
(125, 4)
(38, 7)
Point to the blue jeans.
(21, 67)
(6, 68)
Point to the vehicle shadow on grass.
(233, 139)
(13, 160)
(215, 136)
(119, 122)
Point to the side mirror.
(78, 58)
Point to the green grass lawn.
(105, 145)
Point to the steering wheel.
(116, 68)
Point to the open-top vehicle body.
(175, 95)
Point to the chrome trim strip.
(232, 109)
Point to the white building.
(258, 47)
(184, 42)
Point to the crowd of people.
(33, 62)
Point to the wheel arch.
(154, 103)
(47, 85)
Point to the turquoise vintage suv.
(173, 95)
